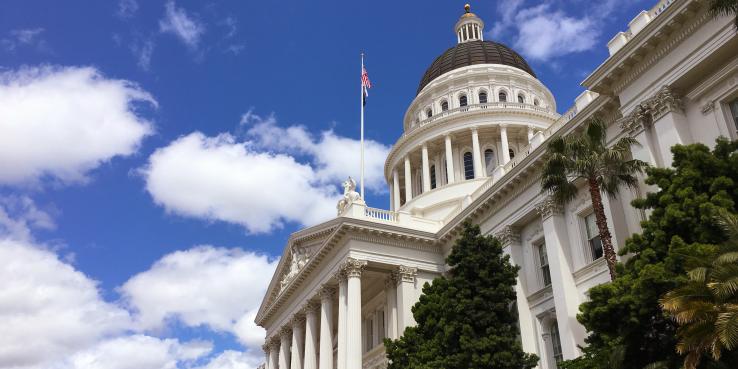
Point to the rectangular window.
(543, 263)
(381, 328)
(433, 176)
(593, 236)
(558, 355)
(369, 334)
(734, 112)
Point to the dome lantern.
(469, 27)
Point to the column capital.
(266, 347)
(273, 343)
(339, 275)
(406, 274)
(327, 292)
(298, 321)
(353, 267)
(285, 332)
(310, 307)
(548, 208)
(390, 281)
(474, 129)
(508, 235)
(503, 125)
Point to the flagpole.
(361, 96)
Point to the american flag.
(365, 83)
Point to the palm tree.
(706, 306)
(719, 8)
(586, 156)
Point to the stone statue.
(350, 195)
(299, 258)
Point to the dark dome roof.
(470, 53)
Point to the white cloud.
(177, 22)
(63, 122)
(48, 310)
(127, 8)
(204, 286)
(218, 178)
(334, 157)
(137, 352)
(19, 215)
(29, 37)
(544, 32)
(143, 50)
(230, 359)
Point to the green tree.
(627, 328)
(706, 306)
(728, 8)
(466, 318)
(586, 156)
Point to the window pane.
(444, 106)
(596, 245)
(521, 99)
(428, 113)
(433, 176)
(468, 166)
(543, 260)
(503, 96)
(734, 111)
(489, 160)
(462, 100)
(556, 343)
(512, 153)
(591, 224)
(482, 97)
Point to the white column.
(408, 181)
(342, 289)
(530, 134)
(426, 169)
(566, 295)
(310, 360)
(396, 189)
(273, 355)
(478, 172)
(505, 144)
(406, 297)
(326, 327)
(390, 290)
(265, 348)
(284, 348)
(353, 269)
(449, 160)
(298, 330)
(510, 238)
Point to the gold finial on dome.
(467, 8)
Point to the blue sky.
(155, 155)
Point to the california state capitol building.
(474, 139)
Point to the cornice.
(640, 43)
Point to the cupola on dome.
(472, 49)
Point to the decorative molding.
(298, 321)
(708, 107)
(327, 292)
(665, 101)
(509, 235)
(405, 274)
(285, 331)
(391, 281)
(548, 208)
(353, 268)
(310, 307)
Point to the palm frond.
(727, 328)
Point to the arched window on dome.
(433, 176)
(489, 161)
(468, 165)
(444, 105)
(483, 97)
(462, 100)
(428, 113)
(536, 102)
(521, 98)
(512, 153)
(502, 96)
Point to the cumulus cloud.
(60, 123)
(334, 157)
(19, 215)
(138, 352)
(206, 286)
(219, 178)
(230, 359)
(177, 22)
(544, 32)
(49, 310)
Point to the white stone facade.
(343, 285)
